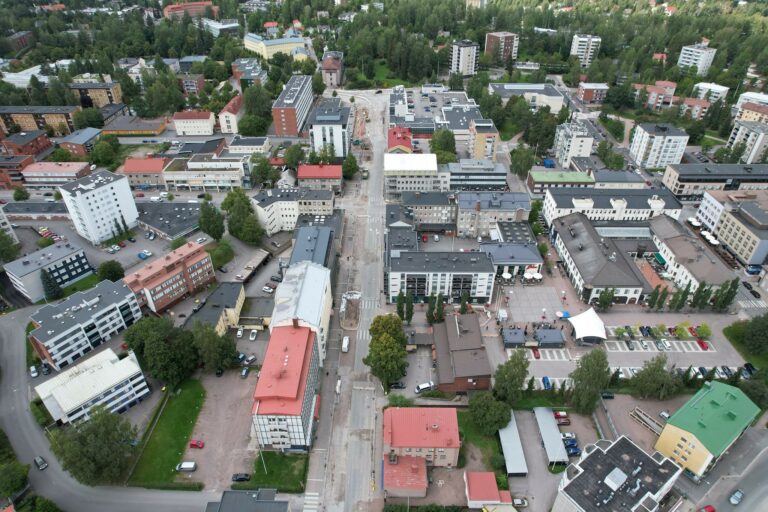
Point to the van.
(437, 238)
(163, 194)
(345, 344)
(156, 199)
(425, 387)
(186, 466)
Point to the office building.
(483, 137)
(208, 172)
(464, 57)
(605, 178)
(480, 211)
(431, 433)
(50, 175)
(691, 181)
(219, 27)
(279, 209)
(742, 227)
(332, 68)
(537, 95)
(81, 142)
(98, 204)
(29, 118)
(221, 309)
(539, 180)
(698, 55)
(591, 93)
(66, 331)
(699, 433)
(102, 380)
(501, 46)
(10, 170)
(478, 175)
(655, 146)
(247, 72)
(193, 9)
(268, 48)
(285, 399)
(329, 125)
(610, 204)
(754, 137)
(194, 123)
(412, 172)
(320, 177)
(291, 108)
(431, 211)
(572, 140)
(231, 114)
(710, 91)
(172, 277)
(585, 47)
(32, 143)
(64, 261)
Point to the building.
(247, 72)
(754, 137)
(285, 401)
(231, 114)
(268, 48)
(240, 145)
(193, 9)
(483, 137)
(482, 491)
(572, 140)
(753, 112)
(305, 298)
(291, 109)
(332, 68)
(97, 94)
(132, 126)
(756, 98)
(221, 309)
(98, 204)
(480, 211)
(431, 433)
(457, 118)
(610, 204)
(399, 140)
(477, 175)
(30, 118)
(191, 83)
(462, 363)
(585, 47)
(655, 146)
(464, 57)
(616, 475)
(186, 63)
(540, 180)
(710, 91)
(405, 476)
(34, 143)
(176, 275)
(208, 172)
(102, 380)
(169, 221)
(694, 108)
(315, 243)
(218, 27)
(591, 93)
(595, 263)
(516, 255)
(10, 170)
(658, 96)
(320, 177)
(81, 142)
(511, 444)
(706, 427)
(259, 500)
(431, 211)
(537, 95)
(329, 124)
(194, 123)
(501, 46)
(692, 181)
(64, 261)
(698, 55)
(50, 175)
(66, 331)
(449, 273)
(144, 173)
(742, 227)
(279, 209)
(412, 172)
(605, 178)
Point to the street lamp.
(563, 295)
(543, 313)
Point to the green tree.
(9, 249)
(61, 155)
(443, 140)
(756, 389)
(724, 296)
(262, 171)
(318, 86)
(45, 505)
(488, 414)
(223, 254)
(211, 221)
(662, 298)
(521, 161)
(103, 154)
(605, 299)
(88, 118)
(13, 477)
(171, 359)
(409, 308)
(44, 242)
(147, 328)
(683, 299)
(401, 305)
(215, 351)
(654, 380)
(97, 451)
(178, 242)
(51, 288)
(456, 82)
(700, 296)
(112, 270)
(756, 335)
(439, 309)
(170, 197)
(349, 167)
(464, 308)
(510, 377)
(431, 309)
(590, 377)
(251, 232)
(386, 358)
(20, 193)
(653, 297)
(252, 126)
(294, 156)
(704, 331)
(390, 325)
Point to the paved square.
(528, 303)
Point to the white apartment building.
(64, 261)
(711, 208)
(413, 172)
(586, 48)
(279, 209)
(98, 203)
(208, 172)
(572, 140)
(699, 55)
(6, 228)
(304, 298)
(757, 98)
(194, 123)
(66, 331)
(710, 91)
(218, 27)
(610, 203)
(104, 379)
(464, 57)
(754, 137)
(430, 211)
(240, 145)
(655, 146)
(230, 115)
(328, 125)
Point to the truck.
(549, 163)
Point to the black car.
(727, 371)
(703, 371)
(746, 285)
(200, 196)
(45, 368)
(241, 477)
(219, 372)
(276, 279)
(132, 240)
(48, 194)
(608, 395)
(397, 385)
(630, 345)
(755, 294)
(223, 269)
(630, 331)
(378, 91)
(750, 368)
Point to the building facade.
(65, 262)
(194, 123)
(710, 91)
(478, 175)
(743, 225)
(291, 109)
(539, 180)
(29, 118)
(6, 227)
(231, 114)
(479, 212)
(610, 204)
(193, 9)
(585, 47)
(754, 137)
(320, 177)
(27, 143)
(268, 48)
(655, 146)
(692, 181)
(279, 209)
(144, 173)
(592, 93)
(698, 55)
(328, 125)
(501, 46)
(81, 142)
(50, 175)
(431, 211)
(412, 172)
(483, 137)
(97, 94)
(537, 95)
(572, 140)
(464, 57)
(10, 170)
(332, 68)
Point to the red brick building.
(10, 170)
(27, 143)
(291, 109)
(194, 9)
(592, 92)
(81, 142)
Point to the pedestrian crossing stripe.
(311, 501)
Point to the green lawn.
(84, 284)
(488, 445)
(712, 141)
(614, 127)
(735, 334)
(539, 399)
(286, 473)
(165, 447)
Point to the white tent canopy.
(588, 325)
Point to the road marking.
(311, 501)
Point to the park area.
(272, 470)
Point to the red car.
(703, 344)
(121, 243)
(692, 330)
(3, 201)
(140, 194)
(196, 443)
(560, 414)
(124, 346)
(536, 353)
(707, 508)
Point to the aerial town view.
(394, 256)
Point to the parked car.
(250, 360)
(142, 256)
(607, 395)
(666, 344)
(746, 285)
(397, 385)
(736, 497)
(252, 336)
(659, 345)
(563, 421)
(519, 502)
(703, 371)
(692, 330)
(560, 414)
(719, 373)
(40, 463)
(546, 383)
(147, 253)
(267, 289)
(755, 294)
(664, 414)
(201, 196)
(244, 372)
(223, 269)
(219, 372)
(132, 240)
(707, 508)
(536, 353)
(567, 435)
(573, 451)
(276, 279)
(240, 357)
(121, 244)
(241, 477)
(152, 235)
(630, 345)
(630, 331)
(744, 374)
(239, 332)
(201, 240)
(750, 368)
(727, 371)
(196, 443)
(45, 368)
(239, 277)
(702, 344)
(33, 372)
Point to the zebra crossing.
(371, 304)
(311, 502)
(753, 304)
(546, 354)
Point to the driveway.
(540, 486)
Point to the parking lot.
(620, 407)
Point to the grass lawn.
(539, 399)
(508, 130)
(735, 334)
(381, 71)
(286, 473)
(488, 445)
(713, 141)
(166, 445)
(84, 284)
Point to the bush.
(178, 242)
(497, 461)
(42, 417)
(396, 400)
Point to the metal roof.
(494, 200)
(550, 435)
(42, 258)
(636, 198)
(297, 86)
(512, 448)
(313, 243)
(512, 253)
(223, 297)
(301, 294)
(441, 262)
(268, 196)
(82, 136)
(173, 219)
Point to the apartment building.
(332, 68)
(208, 172)
(10, 170)
(585, 47)
(305, 298)
(30, 118)
(743, 225)
(221, 309)
(757, 98)
(64, 261)
(320, 177)
(102, 380)
(285, 398)
(659, 96)
(193, 9)
(537, 95)
(172, 277)
(247, 72)
(753, 112)
(194, 123)
(329, 125)
(81, 142)
(219, 27)
(98, 203)
(694, 108)
(191, 83)
(690, 181)
(412, 172)
(478, 212)
(754, 137)
(539, 180)
(431, 211)
(698, 55)
(610, 204)
(268, 48)
(6, 228)
(592, 93)
(710, 91)
(431, 433)
(97, 94)
(657, 145)
(27, 143)
(231, 114)
(464, 57)
(501, 46)
(51, 175)
(279, 209)
(483, 137)
(144, 173)
(240, 145)
(572, 140)
(66, 331)
(291, 109)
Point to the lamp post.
(543, 313)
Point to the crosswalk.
(650, 346)
(753, 304)
(369, 304)
(546, 354)
(554, 382)
(311, 502)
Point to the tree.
(653, 297)
(456, 82)
(349, 167)
(443, 140)
(252, 126)
(654, 380)
(510, 377)
(590, 377)
(170, 197)
(401, 305)
(20, 193)
(409, 308)
(386, 358)
(605, 299)
(521, 161)
(112, 270)
(251, 232)
(318, 86)
(9, 249)
(756, 389)
(211, 221)
(222, 254)
(488, 414)
(390, 325)
(45, 505)
(145, 329)
(464, 308)
(701, 296)
(262, 171)
(294, 155)
(215, 351)
(662, 298)
(88, 118)
(683, 299)
(97, 451)
(439, 309)
(61, 155)
(103, 154)
(725, 295)
(13, 477)
(173, 358)
(431, 309)
(756, 335)
(704, 331)
(178, 242)
(681, 330)
(51, 288)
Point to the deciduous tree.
(510, 377)
(654, 380)
(488, 414)
(349, 168)
(112, 270)
(211, 221)
(590, 377)
(13, 477)
(215, 351)
(391, 325)
(386, 358)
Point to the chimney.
(295, 323)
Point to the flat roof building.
(654, 146)
(279, 209)
(610, 204)
(462, 362)
(512, 448)
(412, 172)
(291, 109)
(550, 436)
(691, 181)
(478, 175)
(169, 220)
(478, 212)
(221, 309)
(50, 175)
(64, 261)
(537, 95)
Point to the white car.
(519, 502)
(115, 248)
(239, 332)
(239, 277)
(33, 372)
(201, 240)
(267, 289)
(253, 334)
(567, 435)
(147, 253)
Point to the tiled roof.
(407, 473)
(153, 165)
(191, 115)
(319, 172)
(234, 105)
(421, 427)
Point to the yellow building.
(483, 137)
(98, 94)
(753, 112)
(29, 118)
(221, 309)
(703, 429)
(268, 48)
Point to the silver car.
(736, 497)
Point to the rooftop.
(268, 196)
(325, 172)
(430, 262)
(593, 85)
(720, 171)
(512, 253)
(399, 136)
(636, 198)
(91, 182)
(22, 138)
(82, 136)
(135, 124)
(396, 162)
(586, 163)
(37, 207)
(481, 486)
(332, 60)
(93, 85)
(210, 146)
(329, 111)
(494, 200)
(58, 168)
(192, 115)
(301, 293)
(519, 232)
(261, 500)
(509, 90)
(542, 176)
(509, 436)
(421, 427)
(608, 176)
(173, 219)
(458, 117)
(255, 38)
(225, 296)
(313, 243)
(239, 140)
(145, 165)
(426, 198)
(235, 105)
(155, 272)
(460, 349)
(662, 130)
(405, 472)
(30, 109)
(42, 258)
(293, 90)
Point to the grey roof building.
(511, 254)
(64, 261)
(512, 448)
(549, 338)
(550, 436)
(430, 211)
(260, 500)
(82, 136)
(479, 212)
(513, 337)
(23, 138)
(315, 244)
(457, 117)
(465, 262)
(169, 220)
(605, 178)
(462, 362)
(690, 181)
(509, 201)
(36, 209)
(632, 204)
(226, 296)
(269, 196)
(518, 232)
(470, 174)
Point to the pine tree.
(439, 309)
(401, 305)
(654, 296)
(119, 228)
(125, 224)
(409, 308)
(683, 297)
(464, 307)
(663, 298)
(51, 288)
(431, 310)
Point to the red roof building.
(270, 24)
(482, 490)
(194, 9)
(283, 402)
(660, 94)
(27, 143)
(320, 177)
(10, 170)
(51, 7)
(696, 108)
(231, 114)
(144, 172)
(399, 140)
(429, 432)
(662, 57)
(405, 477)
